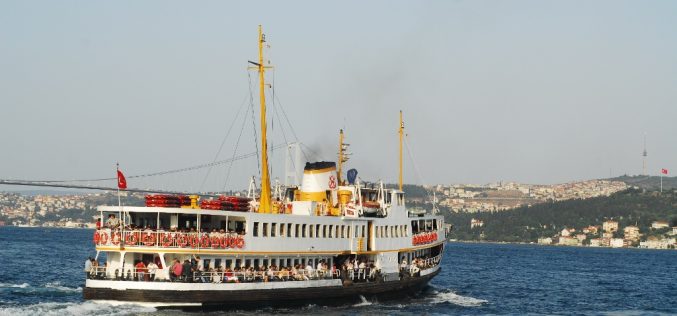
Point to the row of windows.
(307, 230)
(392, 231)
(424, 225)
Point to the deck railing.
(149, 238)
(421, 264)
(106, 273)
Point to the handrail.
(168, 239)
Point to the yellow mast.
(401, 131)
(265, 201)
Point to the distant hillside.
(527, 224)
(648, 182)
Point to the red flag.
(664, 171)
(122, 182)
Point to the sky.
(529, 91)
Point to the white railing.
(148, 238)
(104, 273)
(421, 264)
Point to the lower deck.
(326, 291)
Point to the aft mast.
(265, 201)
(401, 132)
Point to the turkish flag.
(122, 182)
(664, 171)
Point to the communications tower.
(644, 157)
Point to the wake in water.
(84, 309)
(54, 287)
(448, 296)
(364, 302)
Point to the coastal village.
(610, 234)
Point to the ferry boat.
(331, 239)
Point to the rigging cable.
(413, 162)
(237, 144)
(232, 123)
(160, 173)
(251, 105)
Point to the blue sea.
(40, 274)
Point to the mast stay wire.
(251, 105)
(218, 152)
(417, 172)
(291, 127)
(280, 122)
(237, 145)
(153, 174)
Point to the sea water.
(41, 274)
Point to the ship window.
(297, 231)
(364, 233)
(343, 231)
(256, 229)
(397, 231)
(357, 230)
(348, 232)
(331, 230)
(435, 224)
(303, 231)
(311, 231)
(283, 228)
(289, 226)
(387, 232)
(264, 231)
(273, 229)
(324, 231)
(317, 231)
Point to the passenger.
(310, 272)
(88, 267)
(186, 270)
(98, 223)
(152, 269)
(403, 265)
(95, 267)
(176, 270)
(140, 268)
(112, 222)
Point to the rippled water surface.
(40, 274)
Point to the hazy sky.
(528, 91)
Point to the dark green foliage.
(527, 224)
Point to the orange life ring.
(194, 241)
(225, 242)
(149, 239)
(182, 240)
(239, 242)
(204, 241)
(96, 237)
(131, 239)
(166, 240)
(216, 241)
(103, 238)
(115, 238)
